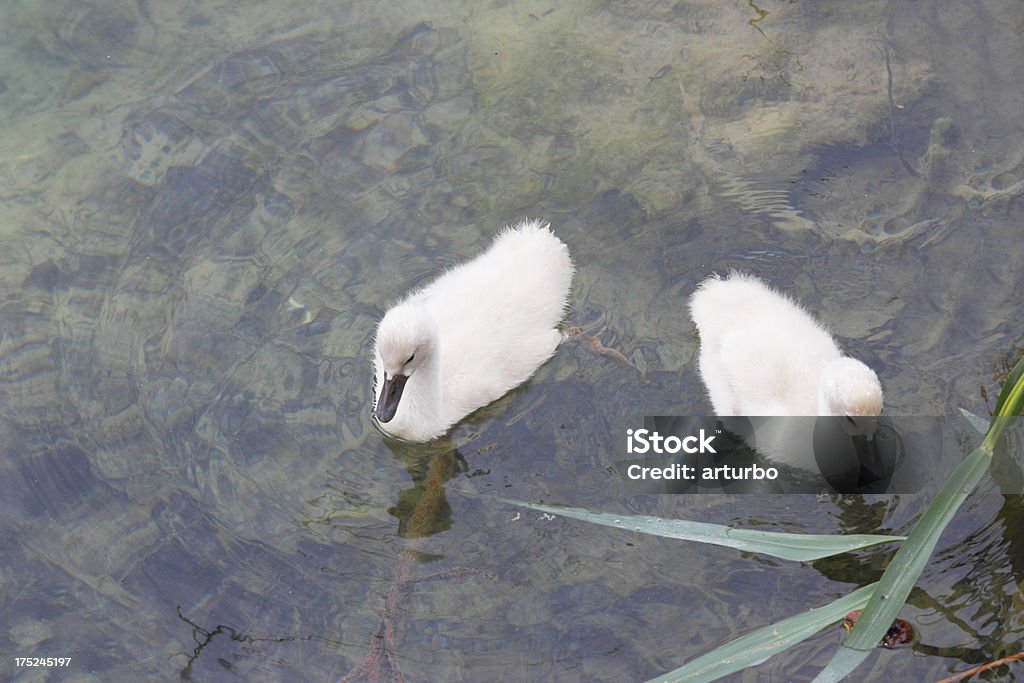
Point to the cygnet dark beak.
(390, 395)
(872, 469)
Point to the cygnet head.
(406, 340)
(851, 390)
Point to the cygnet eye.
(410, 359)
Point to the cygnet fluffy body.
(761, 353)
(764, 357)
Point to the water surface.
(207, 207)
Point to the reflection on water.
(208, 206)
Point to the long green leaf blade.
(1011, 397)
(786, 546)
(902, 573)
(755, 647)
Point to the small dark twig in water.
(592, 342)
(886, 49)
(984, 667)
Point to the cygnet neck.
(824, 406)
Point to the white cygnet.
(471, 335)
(762, 354)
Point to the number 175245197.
(42, 661)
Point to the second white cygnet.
(761, 353)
